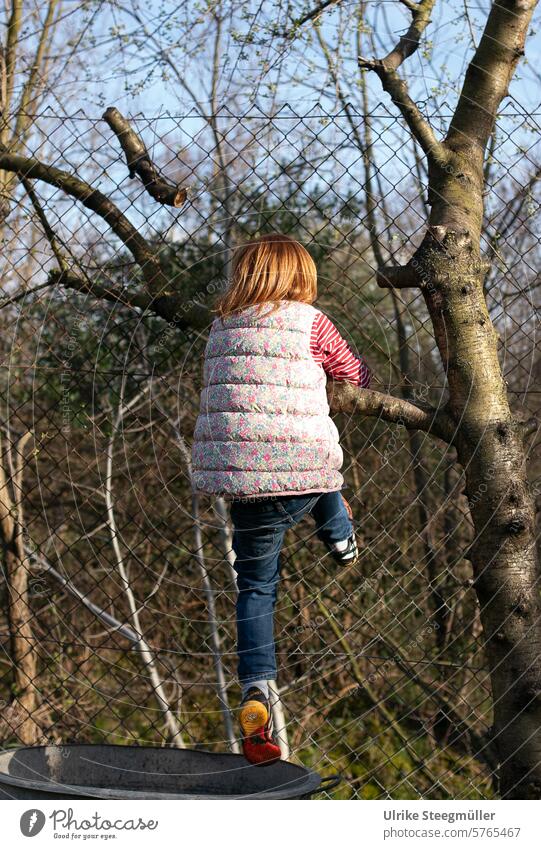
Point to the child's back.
(264, 425)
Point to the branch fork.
(386, 69)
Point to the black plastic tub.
(82, 771)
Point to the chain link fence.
(117, 620)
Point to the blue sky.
(297, 72)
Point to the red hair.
(269, 268)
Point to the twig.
(47, 229)
(209, 593)
(215, 641)
(68, 585)
(312, 15)
(386, 69)
(143, 646)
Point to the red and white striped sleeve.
(332, 352)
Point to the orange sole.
(253, 715)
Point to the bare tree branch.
(312, 15)
(24, 294)
(10, 63)
(47, 229)
(87, 286)
(199, 554)
(397, 277)
(163, 301)
(37, 72)
(68, 585)
(215, 640)
(148, 656)
(27, 167)
(386, 69)
(489, 73)
(348, 398)
(140, 163)
(409, 43)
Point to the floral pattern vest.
(264, 426)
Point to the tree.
(449, 270)
(28, 72)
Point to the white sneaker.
(345, 551)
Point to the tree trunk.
(449, 270)
(491, 450)
(22, 644)
(21, 711)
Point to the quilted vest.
(264, 426)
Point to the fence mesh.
(119, 588)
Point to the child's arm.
(329, 349)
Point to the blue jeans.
(258, 535)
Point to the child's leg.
(257, 541)
(332, 521)
(258, 535)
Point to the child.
(264, 440)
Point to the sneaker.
(346, 551)
(255, 717)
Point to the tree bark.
(140, 164)
(491, 449)
(449, 269)
(24, 702)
